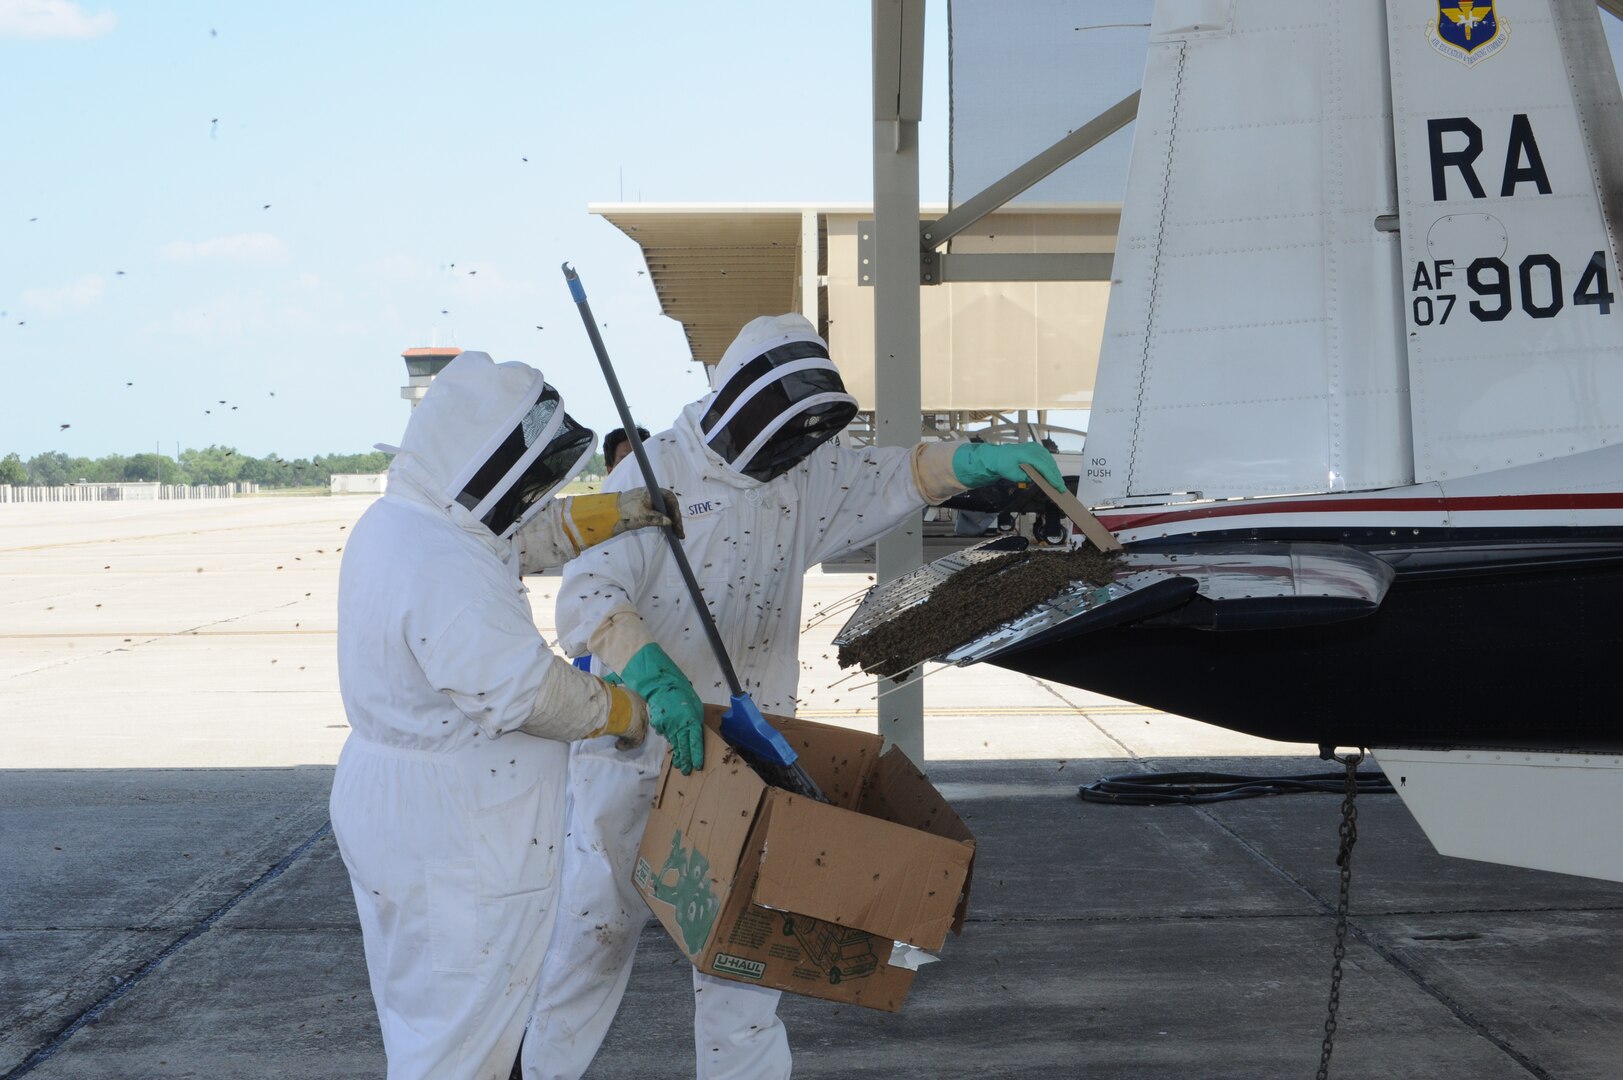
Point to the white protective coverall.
(750, 544)
(447, 808)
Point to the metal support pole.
(808, 268)
(898, 49)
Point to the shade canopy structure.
(715, 266)
(986, 346)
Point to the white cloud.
(236, 314)
(75, 297)
(242, 247)
(402, 268)
(463, 281)
(486, 284)
(52, 19)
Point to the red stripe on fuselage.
(1127, 521)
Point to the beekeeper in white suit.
(764, 496)
(448, 801)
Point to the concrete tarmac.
(175, 906)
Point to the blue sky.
(261, 204)
(221, 223)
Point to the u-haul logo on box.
(737, 965)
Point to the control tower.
(421, 367)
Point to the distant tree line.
(211, 465)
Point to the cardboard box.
(758, 885)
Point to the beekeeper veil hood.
(495, 439)
(777, 397)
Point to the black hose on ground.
(1193, 788)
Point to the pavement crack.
(1455, 1008)
(238, 929)
(54, 1043)
(132, 645)
(1126, 751)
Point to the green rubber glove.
(978, 464)
(674, 710)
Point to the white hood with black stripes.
(489, 443)
(777, 398)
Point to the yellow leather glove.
(592, 519)
(572, 704)
(628, 717)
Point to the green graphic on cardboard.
(684, 883)
(841, 952)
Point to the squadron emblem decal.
(1466, 31)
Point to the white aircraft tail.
(1361, 249)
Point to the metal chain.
(1349, 837)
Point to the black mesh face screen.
(550, 466)
(512, 448)
(745, 377)
(544, 473)
(792, 442)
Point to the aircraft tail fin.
(1510, 176)
(1362, 247)
(1253, 344)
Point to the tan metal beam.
(935, 233)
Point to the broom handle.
(578, 291)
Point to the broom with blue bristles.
(742, 725)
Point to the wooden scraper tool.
(1069, 505)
